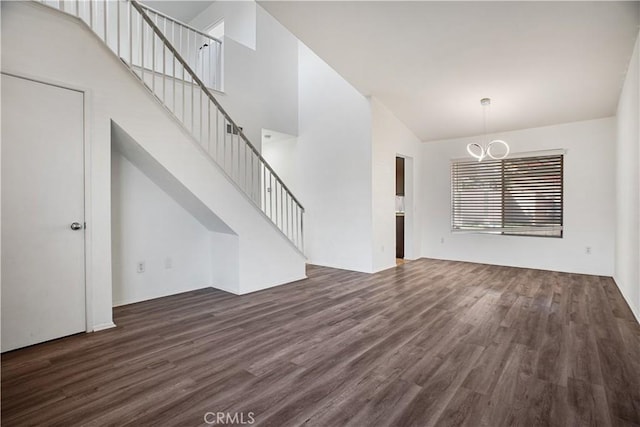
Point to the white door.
(43, 278)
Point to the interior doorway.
(400, 209)
(43, 236)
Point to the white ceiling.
(182, 10)
(541, 63)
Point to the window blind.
(517, 196)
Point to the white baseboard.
(282, 283)
(628, 301)
(167, 293)
(103, 326)
(225, 289)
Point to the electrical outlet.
(442, 240)
(168, 263)
(587, 250)
(141, 267)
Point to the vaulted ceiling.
(430, 62)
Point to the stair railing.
(131, 33)
(200, 50)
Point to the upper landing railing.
(200, 50)
(180, 65)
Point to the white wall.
(627, 268)
(280, 152)
(0, 200)
(223, 242)
(589, 202)
(392, 138)
(265, 257)
(261, 85)
(149, 226)
(239, 20)
(334, 166)
(342, 166)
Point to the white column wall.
(334, 167)
(392, 138)
(627, 266)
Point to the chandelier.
(478, 151)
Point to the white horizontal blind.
(519, 196)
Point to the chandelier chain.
(482, 150)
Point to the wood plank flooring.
(429, 343)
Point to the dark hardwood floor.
(427, 343)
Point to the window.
(515, 196)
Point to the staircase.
(181, 67)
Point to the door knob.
(76, 226)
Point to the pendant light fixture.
(479, 151)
